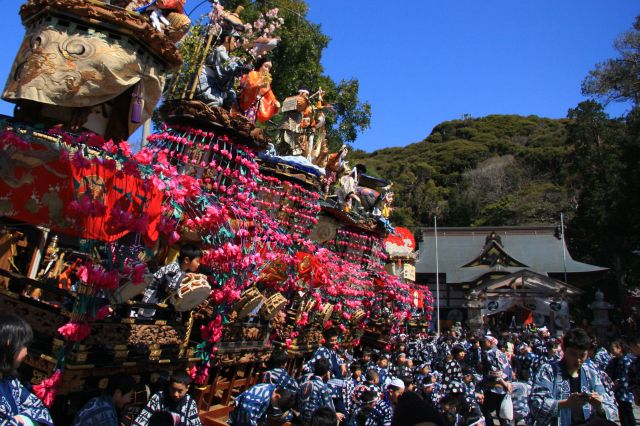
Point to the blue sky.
(422, 62)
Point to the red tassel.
(48, 388)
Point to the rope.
(185, 341)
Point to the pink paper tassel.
(48, 388)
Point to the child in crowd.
(173, 399)
(167, 279)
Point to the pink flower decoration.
(139, 271)
(213, 331)
(80, 162)
(47, 389)
(125, 148)
(199, 374)
(110, 147)
(75, 331)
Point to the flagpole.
(564, 247)
(435, 230)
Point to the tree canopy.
(618, 79)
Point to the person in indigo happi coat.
(276, 374)
(18, 406)
(382, 413)
(571, 392)
(103, 410)
(314, 392)
(327, 350)
(253, 406)
(173, 399)
(619, 370)
(599, 355)
(167, 280)
(497, 383)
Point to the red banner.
(88, 198)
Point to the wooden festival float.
(292, 244)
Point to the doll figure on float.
(165, 15)
(335, 164)
(217, 77)
(346, 192)
(317, 150)
(298, 114)
(303, 129)
(256, 100)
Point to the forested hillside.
(494, 170)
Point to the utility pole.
(435, 230)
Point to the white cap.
(397, 383)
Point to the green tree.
(600, 229)
(618, 79)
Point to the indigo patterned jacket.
(313, 394)
(552, 384)
(16, 400)
(523, 364)
(252, 406)
(601, 359)
(331, 355)
(186, 409)
(381, 415)
(98, 411)
(280, 377)
(619, 371)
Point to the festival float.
(293, 238)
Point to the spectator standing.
(18, 406)
(619, 370)
(570, 390)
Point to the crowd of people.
(458, 378)
(455, 379)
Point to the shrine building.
(513, 275)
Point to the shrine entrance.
(514, 318)
(524, 297)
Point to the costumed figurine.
(216, 80)
(256, 99)
(387, 205)
(166, 16)
(372, 201)
(317, 149)
(335, 163)
(297, 124)
(346, 191)
(382, 208)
